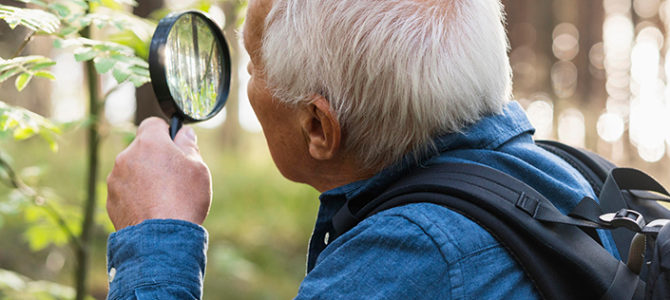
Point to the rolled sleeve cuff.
(156, 252)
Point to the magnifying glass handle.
(175, 125)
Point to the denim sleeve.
(391, 259)
(157, 259)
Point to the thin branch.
(24, 44)
(13, 183)
(110, 91)
(93, 151)
(39, 200)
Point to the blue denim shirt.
(413, 251)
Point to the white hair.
(397, 73)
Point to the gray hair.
(397, 73)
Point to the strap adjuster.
(627, 218)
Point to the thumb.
(187, 142)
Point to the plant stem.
(83, 255)
(24, 44)
(16, 183)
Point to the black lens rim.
(157, 68)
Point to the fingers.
(157, 130)
(154, 126)
(187, 142)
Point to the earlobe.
(322, 129)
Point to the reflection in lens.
(193, 66)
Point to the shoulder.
(385, 256)
(416, 251)
(453, 234)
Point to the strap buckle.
(627, 218)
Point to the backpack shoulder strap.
(592, 166)
(600, 173)
(561, 260)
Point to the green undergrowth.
(259, 223)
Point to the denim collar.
(488, 133)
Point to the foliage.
(49, 221)
(34, 19)
(22, 124)
(119, 47)
(15, 286)
(25, 67)
(121, 60)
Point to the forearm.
(157, 259)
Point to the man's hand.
(156, 178)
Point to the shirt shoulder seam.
(444, 256)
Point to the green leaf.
(38, 237)
(61, 9)
(22, 81)
(121, 21)
(68, 30)
(51, 140)
(26, 66)
(130, 39)
(45, 74)
(81, 3)
(140, 71)
(104, 64)
(34, 19)
(42, 65)
(138, 81)
(24, 133)
(203, 5)
(23, 124)
(5, 75)
(100, 46)
(84, 54)
(120, 74)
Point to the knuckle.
(201, 169)
(151, 121)
(112, 185)
(151, 124)
(109, 179)
(119, 161)
(144, 142)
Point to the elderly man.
(351, 95)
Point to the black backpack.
(562, 255)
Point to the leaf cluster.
(21, 124)
(44, 230)
(26, 67)
(110, 56)
(34, 19)
(64, 18)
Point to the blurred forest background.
(593, 74)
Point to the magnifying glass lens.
(193, 66)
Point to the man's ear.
(321, 128)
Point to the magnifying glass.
(189, 62)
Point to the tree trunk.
(147, 104)
(231, 128)
(83, 254)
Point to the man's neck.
(336, 174)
